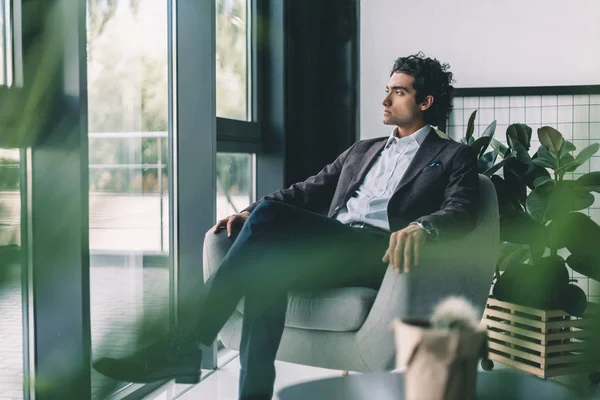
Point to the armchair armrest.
(462, 267)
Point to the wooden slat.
(576, 358)
(497, 303)
(573, 323)
(513, 363)
(568, 335)
(515, 352)
(513, 318)
(514, 329)
(565, 347)
(518, 342)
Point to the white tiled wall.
(577, 117)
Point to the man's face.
(399, 105)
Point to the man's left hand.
(405, 248)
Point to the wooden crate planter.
(545, 343)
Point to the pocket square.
(435, 163)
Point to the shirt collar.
(419, 136)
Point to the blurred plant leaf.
(541, 180)
(470, 127)
(589, 181)
(512, 253)
(487, 160)
(492, 170)
(520, 133)
(538, 200)
(565, 150)
(550, 138)
(519, 227)
(480, 144)
(582, 157)
(499, 147)
(543, 158)
(520, 149)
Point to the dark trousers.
(282, 248)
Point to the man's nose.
(386, 100)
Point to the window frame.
(238, 136)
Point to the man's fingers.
(386, 256)
(399, 252)
(392, 250)
(230, 223)
(218, 226)
(408, 254)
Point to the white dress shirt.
(369, 202)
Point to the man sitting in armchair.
(386, 198)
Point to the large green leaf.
(565, 150)
(545, 163)
(471, 127)
(541, 180)
(545, 159)
(515, 176)
(518, 147)
(511, 254)
(538, 200)
(519, 227)
(589, 181)
(520, 133)
(566, 198)
(498, 165)
(582, 157)
(550, 138)
(487, 160)
(480, 144)
(589, 267)
(582, 238)
(489, 131)
(499, 147)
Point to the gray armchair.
(349, 328)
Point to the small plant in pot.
(540, 214)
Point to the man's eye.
(399, 92)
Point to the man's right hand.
(235, 221)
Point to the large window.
(11, 327)
(5, 43)
(232, 50)
(128, 113)
(235, 67)
(11, 316)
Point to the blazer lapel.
(431, 147)
(369, 158)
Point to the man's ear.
(426, 103)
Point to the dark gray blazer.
(441, 185)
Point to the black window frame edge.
(527, 91)
(239, 136)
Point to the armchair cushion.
(338, 309)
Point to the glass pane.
(129, 175)
(11, 316)
(233, 86)
(235, 183)
(6, 58)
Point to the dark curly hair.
(431, 78)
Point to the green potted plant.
(540, 214)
